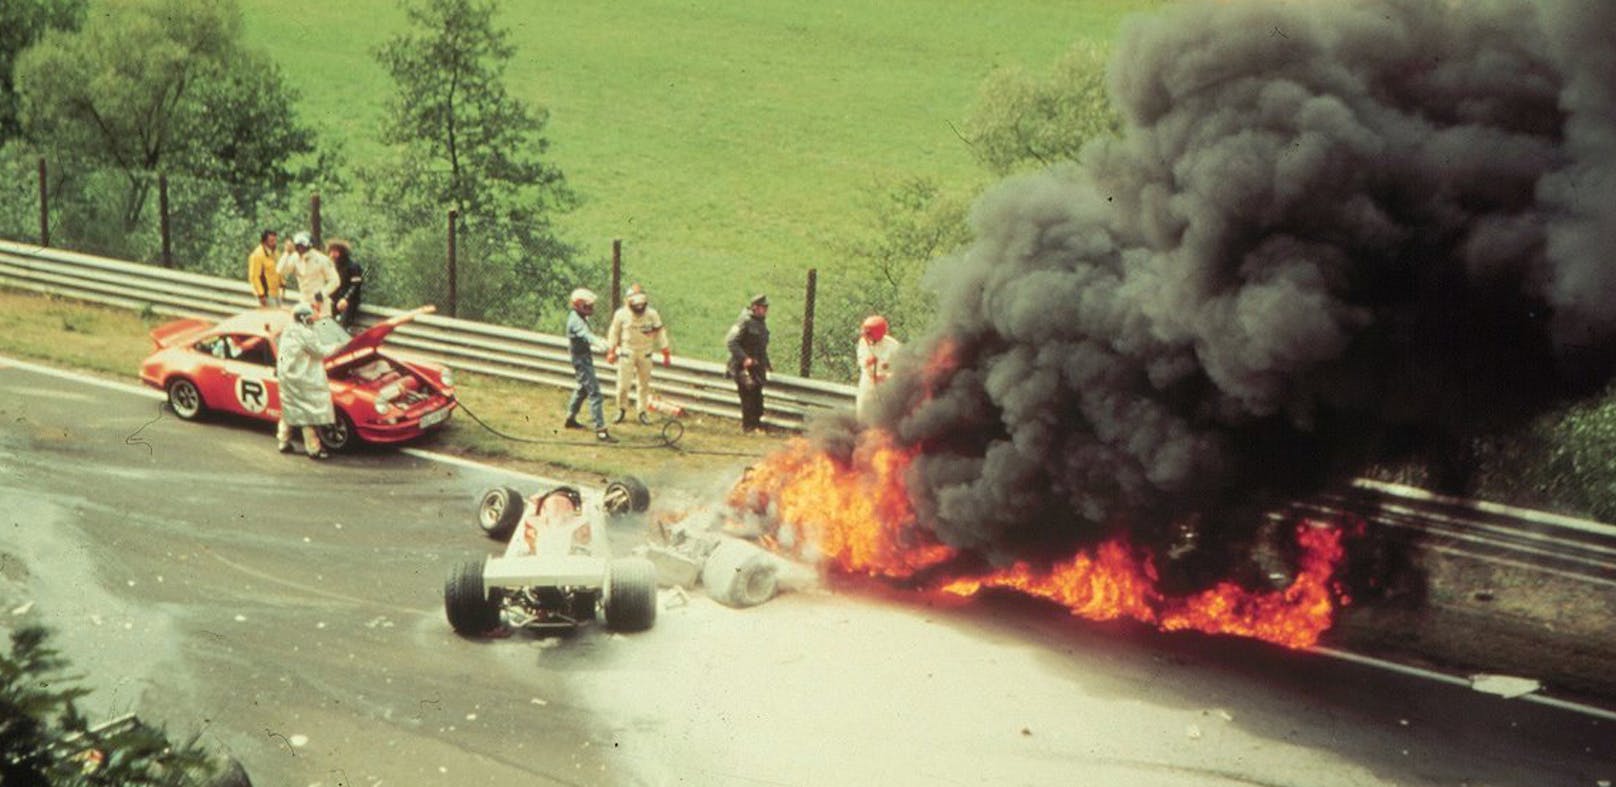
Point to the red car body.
(229, 366)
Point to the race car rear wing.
(179, 331)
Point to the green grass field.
(725, 143)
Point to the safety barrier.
(497, 351)
(1586, 549)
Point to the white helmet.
(582, 297)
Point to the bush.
(45, 739)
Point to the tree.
(912, 221)
(1022, 119)
(45, 738)
(22, 23)
(162, 86)
(463, 142)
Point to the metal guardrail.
(497, 351)
(1582, 548)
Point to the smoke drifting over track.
(1331, 233)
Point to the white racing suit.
(875, 366)
(636, 338)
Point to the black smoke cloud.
(1330, 234)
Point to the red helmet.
(874, 327)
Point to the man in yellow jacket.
(261, 271)
(635, 335)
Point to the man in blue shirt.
(583, 344)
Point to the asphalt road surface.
(290, 611)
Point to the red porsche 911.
(229, 367)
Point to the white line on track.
(1404, 669)
(433, 456)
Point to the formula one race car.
(556, 571)
(379, 396)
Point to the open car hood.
(366, 344)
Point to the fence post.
(314, 221)
(808, 323)
(162, 221)
(454, 276)
(44, 206)
(617, 274)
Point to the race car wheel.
(472, 610)
(184, 399)
(626, 495)
(339, 435)
(499, 512)
(740, 574)
(631, 597)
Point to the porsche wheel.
(499, 511)
(626, 495)
(471, 609)
(631, 595)
(184, 399)
(339, 435)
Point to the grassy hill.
(723, 142)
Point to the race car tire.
(499, 511)
(631, 595)
(468, 605)
(740, 574)
(626, 495)
(185, 399)
(339, 436)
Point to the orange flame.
(856, 517)
(1112, 583)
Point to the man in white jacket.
(316, 275)
(875, 351)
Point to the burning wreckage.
(1326, 238)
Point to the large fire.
(855, 517)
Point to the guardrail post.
(617, 274)
(44, 206)
(314, 221)
(162, 220)
(808, 323)
(453, 273)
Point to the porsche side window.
(254, 349)
(213, 345)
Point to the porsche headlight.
(448, 377)
(383, 407)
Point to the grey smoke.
(1331, 233)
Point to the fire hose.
(667, 437)
(671, 431)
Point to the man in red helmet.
(875, 351)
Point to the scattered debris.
(1026, 731)
(677, 597)
(538, 702)
(24, 609)
(1506, 686)
(298, 741)
(239, 619)
(1193, 732)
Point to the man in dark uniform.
(748, 343)
(350, 283)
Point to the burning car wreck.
(1306, 254)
